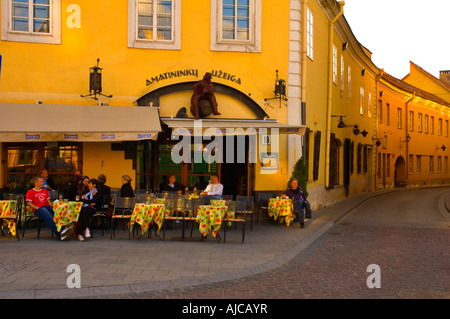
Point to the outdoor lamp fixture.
(355, 129)
(341, 123)
(95, 82)
(364, 133)
(344, 46)
(408, 138)
(381, 93)
(441, 148)
(363, 72)
(280, 90)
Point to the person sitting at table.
(102, 188)
(214, 187)
(71, 188)
(126, 190)
(92, 202)
(48, 182)
(298, 198)
(172, 185)
(38, 200)
(83, 187)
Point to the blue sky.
(399, 31)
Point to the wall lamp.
(95, 82)
(344, 46)
(356, 131)
(381, 93)
(341, 124)
(441, 148)
(363, 72)
(408, 138)
(280, 90)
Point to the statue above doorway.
(203, 100)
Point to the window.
(440, 127)
(426, 124)
(445, 164)
(419, 164)
(439, 164)
(342, 73)
(369, 104)
(419, 122)
(154, 24)
(432, 125)
(379, 165)
(37, 21)
(236, 25)
(411, 120)
(349, 78)
(411, 164)
(399, 118)
(388, 165)
(446, 128)
(334, 64)
(431, 168)
(388, 114)
(361, 101)
(310, 33)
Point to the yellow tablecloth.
(66, 213)
(281, 208)
(145, 214)
(210, 218)
(8, 208)
(218, 202)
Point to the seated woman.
(92, 202)
(299, 199)
(126, 190)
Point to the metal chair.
(106, 200)
(262, 204)
(245, 206)
(233, 206)
(123, 209)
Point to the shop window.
(37, 21)
(154, 24)
(236, 25)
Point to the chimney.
(445, 76)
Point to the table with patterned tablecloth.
(8, 208)
(144, 214)
(282, 209)
(210, 218)
(66, 213)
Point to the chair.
(177, 206)
(26, 216)
(233, 206)
(227, 197)
(16, 214)
(245, 209)
(123, 209)
(262, 203)
(106, 200)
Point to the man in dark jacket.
(299, 199)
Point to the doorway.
(400, 172)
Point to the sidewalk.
(35, 268)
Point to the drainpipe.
(406, 134)
(330, 92)
(304, 52)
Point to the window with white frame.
(419, 164)
(399, 118)
(342, 73)
(236, 25)
(37, 21)
(154, 24)
(369, 104)
(431, 165)
(411, 120)
(361, 101)
(310, 33)
(334, 64)
(419, 122)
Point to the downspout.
(304, 52)
(330, 92)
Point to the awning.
(77, 123)
(231, 126)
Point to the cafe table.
(282, 209)
(8, 208)
(66, 213)
(144, 214)
(210, 218)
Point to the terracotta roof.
(409, 88)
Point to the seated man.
(214, 187)
(299, 199)
(172, 185)
(39, 200)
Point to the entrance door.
(400, 172)
(347, 165)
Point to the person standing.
(38, 199)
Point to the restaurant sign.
(192, 72)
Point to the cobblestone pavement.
(407, 234)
